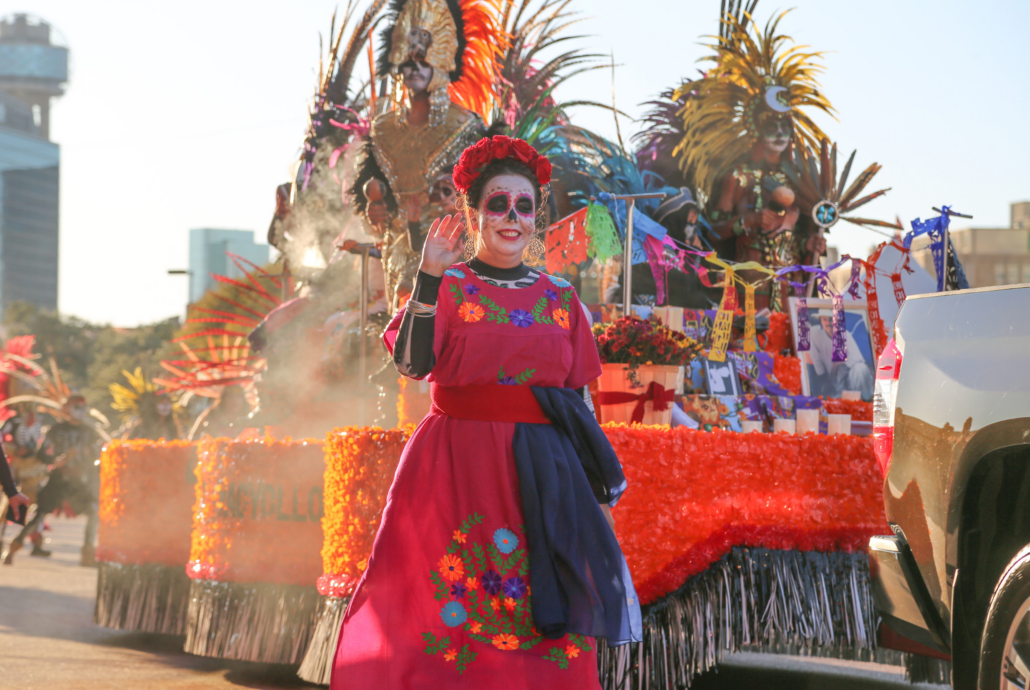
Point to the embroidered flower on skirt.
(514, 587)
(458, 590)
(453, 614)
(491, 582)
(455, 273)
(508, 381)
(505, 540)
(506, 642)
(472, 289)
(551, 294)
(521, 318)
(451, 568)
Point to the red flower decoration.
(476, 157)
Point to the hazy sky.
(189, 114)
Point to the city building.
(989, 256)
(209, 250)
(32, 71)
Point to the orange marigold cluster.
(778, 338)
(787, 371)
(146, 500)
(860, 411)
(693, 495)
(360, 464)
(258, 511)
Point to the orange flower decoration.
(495, 604)
(450, 655)
(451, 568)
(475, 627)
(572, 651)
(470, 312)
(561, 317)
(472, 583)
(459, 536)
(509, 604)
(506, 642)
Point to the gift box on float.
(254, 555)
(146, 516)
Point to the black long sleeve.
(6, 478)
(413, 350)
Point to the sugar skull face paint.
(506, 220)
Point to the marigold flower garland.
(787, 371)
(360, 464)
(146, 500)
(859, 410)
(692, 496)
(258, 511)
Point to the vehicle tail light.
(885, 394)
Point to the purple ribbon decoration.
(804, 341)
(854, 283)
(840, 338)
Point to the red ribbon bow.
(655, 393)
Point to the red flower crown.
(476, 157)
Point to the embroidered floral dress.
(445, 600)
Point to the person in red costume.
(496, 564)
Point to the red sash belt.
(655, 393)
(489, 403)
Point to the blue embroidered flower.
(491, 582)
(456, 273)
(459, 590)
(521, 318)
(505, 540)
(551, 294)
(453, 614)
(472, 289)
(508, 381)
(560, 282)
(514, 587)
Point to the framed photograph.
(721, 378)
(820, 375)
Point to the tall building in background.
(208, 254)
(989, 256)
(33, 70)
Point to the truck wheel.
(1005, 647)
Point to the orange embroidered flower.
(509, 604)
(506, 642)
(451, 568)
(475, 627)
(472, 583)
(470, 312)
(459, 536)
(450, 655)
(495, 604)
(561, 317)
(572, 651)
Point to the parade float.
(711, 232)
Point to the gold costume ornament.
(755, 81)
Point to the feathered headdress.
(464, 49)
(824, 197)
(755, 78)
(50, 392)
(127, 398)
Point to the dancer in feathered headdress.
(441, 56)
(146, 412)
(739, 123)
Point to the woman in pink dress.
(496, 565)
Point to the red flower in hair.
(476, 157)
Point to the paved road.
(48, 641)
